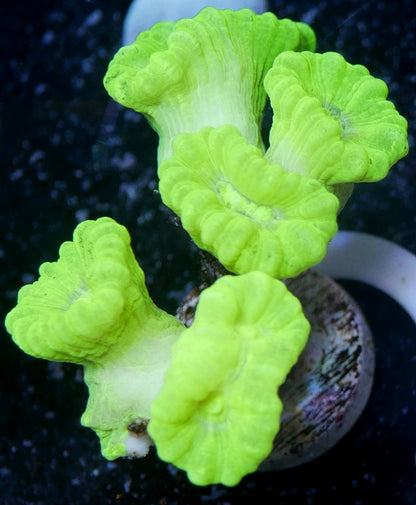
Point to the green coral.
(331, 119)
(218, 411)
(204, 71)
(248, 213)
(79, 306)
(92, 307)
(208, 394)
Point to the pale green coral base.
(123, 387)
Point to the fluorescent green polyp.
(218, 411)
(331, 119)
(248, 213)
(77, 308)
(204, 71)
(92, 307)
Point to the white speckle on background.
(94, 18)
(48, 37)
(81, 215)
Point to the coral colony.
(207, 395)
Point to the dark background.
(67, 153)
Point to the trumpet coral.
(332, 120)
(204, 71)
(280, 225)
(218, 411)
(91, 307)
(207, 395)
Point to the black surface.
(67, 155)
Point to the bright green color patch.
(331, 119)
(123, 389)
(218, 411)
(204, 71)
(250, 214)
(92, 307)
(77, 308)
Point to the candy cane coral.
(331, 119)
(204, 71)
(207, 395)
(218, 412)
(92, 307)
(331, 123)
(281, 224)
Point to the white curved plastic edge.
(142, 14)
(375, 261)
